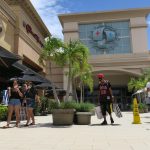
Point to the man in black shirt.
(105, 98)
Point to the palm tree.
(64, 54)
(74, 52)
(87, 79)
(83, 71)
(51, 52)
(140, 82)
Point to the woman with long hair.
(30, 97)
(14, 104)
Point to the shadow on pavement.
(115, 124)
(48, 125)
(148, 117)
(105, 125)
(146, 122)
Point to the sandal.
(26, 125)
(5, 127)
(32, 124)
(17, 125)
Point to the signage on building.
(29, 30)
(103, 36)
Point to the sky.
(49, 9)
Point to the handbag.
(98, 112)
(117, 110)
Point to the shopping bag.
(117, 110)
(98, 112)
(5, 97)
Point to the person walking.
(14, 103)
(105, 98)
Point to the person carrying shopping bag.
(105, 98)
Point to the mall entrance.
(121, 94)
(119, 81)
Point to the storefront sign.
(1, 27)
(104, 36)
(29, 30)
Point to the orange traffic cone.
(136, 116)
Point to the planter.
(63, 116)
(83, 118)
(93, 112)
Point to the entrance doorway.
(121, 94)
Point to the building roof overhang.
(28, 7)
(135, 12)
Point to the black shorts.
(105, 107)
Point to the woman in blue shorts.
(30, 96)
(14, 103)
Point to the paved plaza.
(123, 135)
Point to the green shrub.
(3, 112)
(68, 105)
(84, 107)
(37, 109)
(53, 105)
(140, 106)
(80, 107)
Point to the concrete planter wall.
(63, 116)
(83, 118)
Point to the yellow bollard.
(136, 116)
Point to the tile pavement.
(123, 135)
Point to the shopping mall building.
(22, 32)
(118, 43)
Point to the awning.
(44, 85)
(7, 58)
(29, 74)
(60, 92)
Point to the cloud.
(48, 11)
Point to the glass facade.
(106, 37)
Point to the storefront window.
(107, 37)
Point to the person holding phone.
(14, 104)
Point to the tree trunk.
(81, 98)
(69, 82)
(53, 87)
(55, 94)
(74, 90)
(83, 92)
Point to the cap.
(100, 75)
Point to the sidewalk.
(123, 135)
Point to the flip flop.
(26, 125)
(32, 124)
(5, 127)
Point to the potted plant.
(3, 112)
(63, 113)
(83, 113)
